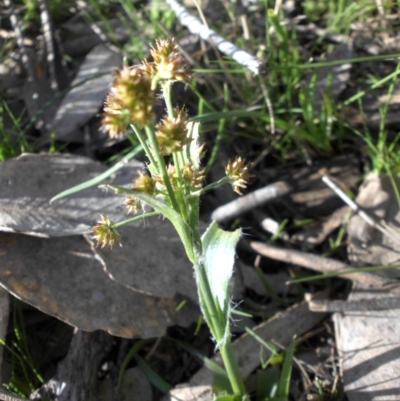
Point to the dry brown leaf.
(310, 196)
(190, 393)
(367, 341)
(63, 278)
(369, 350)
(152, 260)
(368, 246)
(30, 181)
(88, 91)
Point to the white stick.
(250, 201)
(380, 225)
(196, 26)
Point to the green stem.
(211, 310)
(214, 322)
(232, 368)
(222, 181)
(166, 86)
(144, 144)
(139, 217)
(216, 318)
(180, 189)
(162, 168)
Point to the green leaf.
(191, 153)
(217, 261)
(270, 347)
(267, 383)
(284, 381)
(153, 377)
(227, 397)
(218, 258)
(131, 354)
(221, 381)
(100, 178)
(182, 228)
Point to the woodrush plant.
(173, 188)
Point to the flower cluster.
(188, 176)
(115, 118)
(170, 64)
(131, 101)
(105, 233)
(132, 97)
(238, 174)
(172, 133)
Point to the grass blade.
(100, 178)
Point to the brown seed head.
(163, 49)
(172, 175)
(193, 176)
(115, 119)
(237, 171)
(132, 204)
(132, 90)
(169, 62)
(172, 133)
(144, 183)
(105, 233)
(148, 68)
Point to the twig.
(95, 27)
(196, 26)
(320, 264)
(20, 41)
(49, 42)
(6, 396)
(378, 224)
(252, 200)
(361, 305)
(317, 31)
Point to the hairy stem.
(162, 168)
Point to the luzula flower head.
(172, 133)
(131, 90)
(115, 118)
(237, 172)
(145, 184)
(132, 204)
(193, 176)
(172, 177)
(148, 68)
(169, 62)
(163, 49)
(188, 176)
(105, 233)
